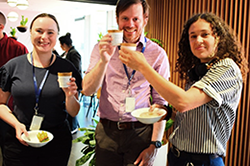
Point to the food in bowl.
(149, 117)
(154, 113)
(43, 136)
(34, 141)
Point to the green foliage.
(100, 35)
(157, 41)
(13, 31)
(24, 21)
(87, 139)
(169, 123)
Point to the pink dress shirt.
(115, 84)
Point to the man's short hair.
(123, 5)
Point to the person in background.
(32, 81)
(9, 48)
(214, 68)
(120, 138)
(73, 56)
(70, 53)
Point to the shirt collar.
(141, 43)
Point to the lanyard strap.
(133, 72)
(38, 91)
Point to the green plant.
(23, 21)
(87, 139)
(159, 42)
(100, 35)
(13, 31)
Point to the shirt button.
(122, 105)
(123, 91)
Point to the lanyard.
(133, 72)
(38, 91)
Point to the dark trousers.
(116, 147)
(55, 153)
(175, 160)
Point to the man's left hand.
(147, 156)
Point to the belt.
(121, 125)
(193, 156)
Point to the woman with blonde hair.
(32, 81)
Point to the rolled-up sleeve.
(163, 68)
(222, 82)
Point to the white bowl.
(148, 120)
(34, 141)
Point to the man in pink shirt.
(9, 48)
(120, 138)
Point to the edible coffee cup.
(64, 78)
(131, 46)
(117, 37)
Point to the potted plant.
(23, 27)
(13, 33)
(88, 151)
(88, 139)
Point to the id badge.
(130, 101)
(130, 104)
(36, 122)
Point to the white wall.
(98, 18)
(98, 22)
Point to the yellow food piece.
(43, 136)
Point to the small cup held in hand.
(131, 46)
(64, 78)
(117, 37)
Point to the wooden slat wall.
(166, 21)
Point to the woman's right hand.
(20, 129)
(106, 49)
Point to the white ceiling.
(58, 6)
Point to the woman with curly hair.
(214, 68)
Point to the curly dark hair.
(226, 48)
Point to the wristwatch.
(157, 144)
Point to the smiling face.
(202, 40)
(132, 22)
(44, 34)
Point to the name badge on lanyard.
(130, 99)
(36, 122)
(38, 118)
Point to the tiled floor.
(83, 122)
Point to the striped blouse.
(207, 128)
